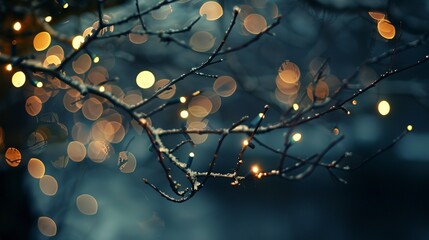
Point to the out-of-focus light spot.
(76, 151)
(168, 93)
(354, 102)
(225, 86)
(82, 64)
(289, 72)
(255, 169)
(96, 59)
(9, 67)
(65, 5)
(33, 105)
(42, 41)
(48, 185)
(102, 89)
(77, 41)
(47, 226)
(377, 15)
(245, 142)
(13, 157)
(182, 99)
(383, 107)
(295, 106)
(386, 29)
(48, 19)
(39, 84)
(18, 79)
(127, 162)
(336, 131)
(36, 168)
(92, 109)
(145, 79)
(297, 137)
(184, 114)
(410, 128)
(212, 10)
(162, 13)
(255, 23)
(17, 26)
(202, 41)
(87, 204)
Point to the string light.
(255, 169)
(39, 84)
(190, 159)
(48, 19)
(17, 26)
(295, 106)
(182, 99)
(383, 107)
(9, 67)
(247, 143)
(297, 137)
(410, 128)
(18, 79)
(101, 88)
(354, 102)
(77, 41)
(184, 114)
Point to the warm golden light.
(33, 105)
(65, 5)
(202, 41)
(297, 137)
(76, 151)
(102, 89)
(383, 107)
(289, 72)
(245, 142)
(377, 15)
(191, 154)
(386, 29)
(48, 19)
(17, 26)
(354, 102)
(36, 168)
(255, 169)
(145, 79)
(42, 41)
(77, 41)
(410, 128)
(225, 86)
(47, 226)
(255, 23)
(87, 204)
(212, 10)
(96, 59)
(295, 106)
(184, 114)
(39, 84)
(336, 131)
(48, 185)
(13, 157)
(182, 99)
(18, 79)
(9, 67)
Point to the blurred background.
(85, 194)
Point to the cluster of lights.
(256, 171)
